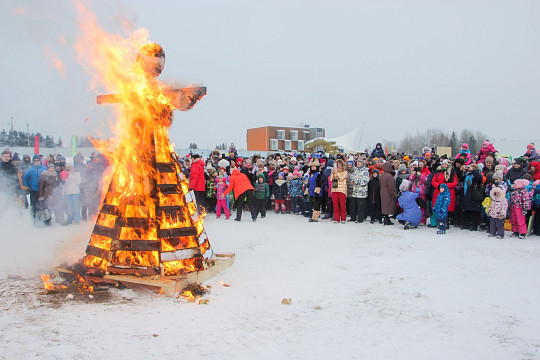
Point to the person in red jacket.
(197, 181)
(534, 169)
(445, 174)
(243, 192)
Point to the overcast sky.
(398, 66)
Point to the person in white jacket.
(72, 194)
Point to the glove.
(501, 216)
(317, 190)
(524, 212)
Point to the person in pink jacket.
(485, 150)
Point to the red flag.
(36, 145)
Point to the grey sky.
(400, 66)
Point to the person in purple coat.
(411, 215)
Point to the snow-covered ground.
(358, 291)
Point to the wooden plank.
(136, 222)
(97, 252)
(180, 254)
(169, 189)
(136, 245)
(104, 231)
(176, 232)
(124, 271)
(165, 167)
(110, 209)
(171, 286)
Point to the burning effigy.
(148, 229)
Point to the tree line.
(23, 139)
(434, 137)
(14, 138)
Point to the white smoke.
(28, 250)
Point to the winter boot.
(522, 236)
(315, 216)
(514, 235)
(387, 220)
(407, 226)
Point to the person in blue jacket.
(31, 180)
(411, 215)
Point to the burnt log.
(176, 232)
(136, 245)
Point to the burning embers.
(75, 284)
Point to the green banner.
(73, 145)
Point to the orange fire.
(48, 285)
(127, 67)
(189, 296)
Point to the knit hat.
(239, 162)
(35, 157)
(296, 173)
(486, 143)
(402, 168)
(222, 168)
(404, 186)
(520, 183)
(500, 168)
(465, 146)
(281, 174)
(530, 147)
(50, 165)
(350, 163)
(195, 156)
(445, 161)
(414, 163)
(498, 175)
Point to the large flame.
(144, 113)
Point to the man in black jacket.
(516, 172)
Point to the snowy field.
(358, 291)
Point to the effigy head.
(151, 58)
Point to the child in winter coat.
(418, 185)
(222, 185)
(280, 193)
(440, 209)
(260, 195)
(497, 212)
(211, 201)
(411, 214)
(520, 203)
(295, 192)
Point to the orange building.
(279, 138)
